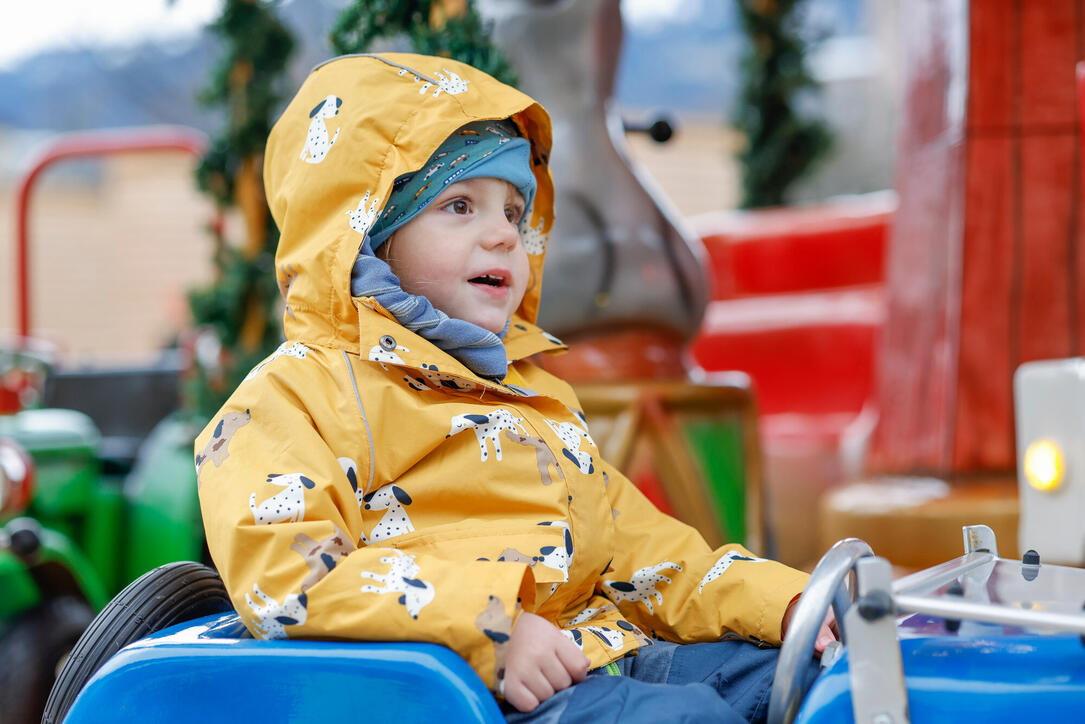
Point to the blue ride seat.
(211, 668)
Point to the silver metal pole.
(990, 613)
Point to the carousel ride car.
(980, 636)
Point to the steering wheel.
(824, 588)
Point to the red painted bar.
(81, 145)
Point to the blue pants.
(724, 681)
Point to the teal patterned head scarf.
(480, 149)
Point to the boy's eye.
(459, 206)
(513, 214)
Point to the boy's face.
(463, 252)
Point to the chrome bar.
(875, 671)
(932, 578)
(990, 613)
(819, 594)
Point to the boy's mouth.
(494, 280)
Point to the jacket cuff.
(514, 593)
(776, 602)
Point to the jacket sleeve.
(666, 579)
(284, 526)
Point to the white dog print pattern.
(558, 557)
(392, 499)
(452, 84)
(611, 638)
(487, 427)
(297, 350)
(533, 238)
(641, 588)
(362, 217)
(317, 143)
(273, 617)
(434, 379)
(571, 435)
(415, 594)
(382, 355)
(285, 506)
(589, 613)
(722, 565)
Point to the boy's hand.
(826, 634)
(541, 661)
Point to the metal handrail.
(822, 590)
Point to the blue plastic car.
(979, 638)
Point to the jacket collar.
(384, 341)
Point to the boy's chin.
(490, 323)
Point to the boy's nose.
(501, 233)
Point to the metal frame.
(82, 145)
(824, 588)
(878, 691)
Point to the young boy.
(398, 470)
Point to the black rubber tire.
(30, 652)
(168, 595)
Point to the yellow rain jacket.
(361, 483)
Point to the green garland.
(781, 145)
(460, 36)
(235, 316)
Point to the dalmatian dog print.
(217, 448)
(350, 469)
(285, 506)
(362, 218)
(273, 617)
(415, 594)
(297, 350)
(452, 84)
(487, 428)
(496, 625)
(589, 613)
(558, 557)
(641, 588)
(533, 238)
(635, 632)
(433, 379)
(611, 638)
(722, 565)
(382, 355)
(317, 143)
(393, 500)
(321, 556)
(571, 435)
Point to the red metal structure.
(83, 145)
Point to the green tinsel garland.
(781, 145)
(250, 82)
(462, 37)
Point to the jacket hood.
(357, 124)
